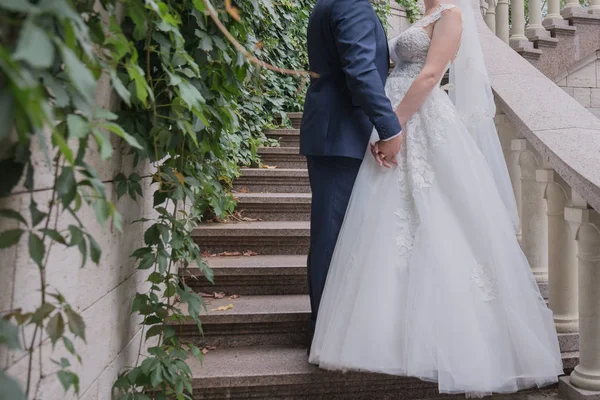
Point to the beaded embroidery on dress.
(428, 279)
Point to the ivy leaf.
(156, 376)
(152, 235)
(65, 150)
(34, 46)
(120, 87)
(117, 130)
(206, 43)
(10, 388)
(23, 6)
(10, 237)
(37, 249)
(141, 86)
(11, 214)
(78, 126)
(69, 345)
(78, 240)
(104, 144)
(76, 323)
(154, 331)
(56, 328)
(54, 235)
(95, 250)
(66, 186)
(190, 95)
(68, 379)
(81, 77)
(9, 334)
(42, 313)
(12, 171)
(7, 111)
(102, 113)
(37, 216)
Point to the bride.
(427, 278)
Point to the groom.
(347, 47)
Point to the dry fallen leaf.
(233, 11)
(243, 190)
(207, 253)
(250, 253)
(204, 351)
(235, 296)
(223, 308)
(230, 254)
(218, 295)
(248, 219)
(265, 166)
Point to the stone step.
(286, 137)
(271, 320)
(277, 180)
(275, 206)
(282, 372)
(262, 275)
(295, 118)
(253, 321)
(258, 275)
(262, 237)
(282, 157)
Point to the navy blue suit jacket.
(347, 47)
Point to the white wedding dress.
(428, 279)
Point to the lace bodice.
(412, 45)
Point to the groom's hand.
(385, 151)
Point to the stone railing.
(552, 149)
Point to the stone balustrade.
(552, 149)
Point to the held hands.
(385, 152)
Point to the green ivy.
(412, 10)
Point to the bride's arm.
(444, 46)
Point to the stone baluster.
(534, 27)
(571, 5)
(553, 10)
(563, 210)
(512, 146)
(490, 15)
(586, 376)
(502, 20)
(518, 21)
(534, 222)
(514, 170)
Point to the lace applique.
(485, 279)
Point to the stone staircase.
(257, 348)
(562, 42)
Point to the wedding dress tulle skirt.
(428, 279)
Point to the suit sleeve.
(354, 27)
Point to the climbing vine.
(189, 108)
(411, 8)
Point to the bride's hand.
(385, 152)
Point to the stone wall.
(582, 82)
(397, 20)
(101, 293)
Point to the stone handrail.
(560, 129)
(552, 148)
